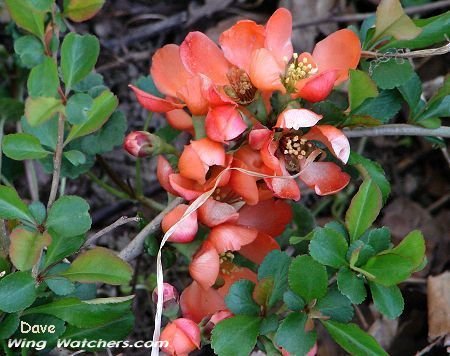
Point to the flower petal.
(237, 274)
(190, 329)
(224, 123)
(278, 35)
(333, 138)
(325, 177)
(186, 230)
(163, 172)
(205, 265)
(192, 166)
(297, 118)
(191, 94)
(318, 87)
(213, 213)
(259, 248)
(167, 70)
(239, 42)
(258, 137)
(341, 50)
(154, 103)
(269, 216)
(200, 55)
(184, 187)
(210, 152)
(265, 71)
(243, 183)
(229, 237)
(180, 120)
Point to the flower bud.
(214, 320)
(171, 299)
(144, 144)
(182, 335)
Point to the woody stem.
(397, 130)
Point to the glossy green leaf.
(351, 285)
(359, 252)
(439, 108)
(47, 133)
(84, 314)
(387, 300)
(235, 336)
(27, 16)
(352, 339)
(62, 247)
(82, 10)
(78, 57)
(239, 299)
(383, 108)
(361, 87)
(336, 306)
(392, 74)
(293, 301)
(308, 278)
(276, 265)
(389, 269)
(17, 292)
(379, 239)
(43, 79)
(75, 157)
(38, 210)
(12, 207)
(23, 146)
(77, 108)
(39, 110)
(328, 247)
(411, 90)
(412, 247)
(30, 50)
(291, 335)
(99, 265)
(69, 216)
(102, 108)
(9, 325)
(26, 247)
(364, 209)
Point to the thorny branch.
(57, 162)
(119, 222)
(412, 54)
(397, 130)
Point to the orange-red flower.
(182, 335)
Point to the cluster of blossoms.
(254, 162)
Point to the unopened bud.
(182, 336)
(214, 320)
(144, 144)
(171, 299)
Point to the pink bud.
(216, 318)
(182, 335)
(138, 143)
(170, 295)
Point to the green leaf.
(117, 329)
(75, 157)
(336, 306)
(9, 325)
(57, 284)
(239, 299)
(411, 91)
(39, 110)
(373, 170)
(439, 108)
(293, 301)
(44, 320)
(379, 239)
(269, 325)
(308, 278)
(364, 209)
(352, 339)
(391, 20)
(27, 16)
(102, 108)
(69, 216)
(389, 269)
(77, 108)
(235, 336)
(387, 300)
(328, 247)
(84, 314)
(82, 10)
(62, 247)
(11, 109)
(30, 50)
(361, 87)
(17, 292)
(392, 74)
(412, 247)
(99, 265)
(383, 108)
(47, 133)
(43, 5)
(351, 286)
(26, 247)
(78, 57)
(291, 335)
(304, 219)
(43, 79)
(12, 207)
(359, 252)
(276, 265)
(39, 211)
(23, 146)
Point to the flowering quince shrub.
(267, 124)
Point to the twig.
(136, 246)
(4, 240)
(413, 10)
(57, 162)
(121, 221)
(423, 53)
(428, 348)
(397, 130)
(362, 318)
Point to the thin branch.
(121, 221)
(412, 10)
(412, 54)
(57, 162)
(397, 130)
(4, 240)
(136, 246)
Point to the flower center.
(226, 195)
(226, 262)
(241, 88)
(301, 67)
(294, 148)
